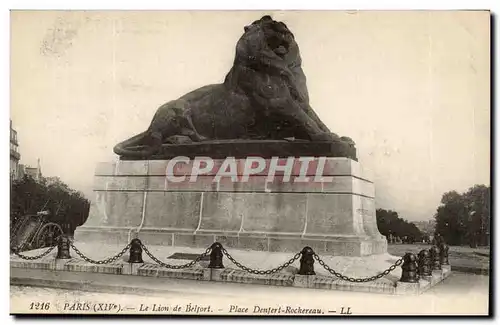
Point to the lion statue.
(264, 96)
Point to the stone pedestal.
(407, 288)
(446, 270)
(335, 215)
(437, 276)
(424, 283)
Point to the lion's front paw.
(202, 138)
(325, 136)
(348, 140)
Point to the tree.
(65, 205)
(465, 218)
(477, 201)
(389, 223)
(451, 218)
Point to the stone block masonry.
(335, 216)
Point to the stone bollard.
(409, 267)
(307, 262)
(216, 256)
(435, 256)
(424, 263)
(135, 251)
(443, 256)
(443, 259)
(63, 248)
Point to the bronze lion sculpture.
(264, 96)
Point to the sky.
(412, 89)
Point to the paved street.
(459, 294)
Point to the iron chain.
(31, 258)
(350, 279)
(176, 267)
(105, 261)
(225, 252)
(262, 272)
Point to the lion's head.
(269, 37)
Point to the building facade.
(33, 172)
(15, 156)
(427, 228)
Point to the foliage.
(465, 218)
(389, 222)
(65, 205)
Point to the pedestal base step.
(72, 273)
(291, 243)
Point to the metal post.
(409, 267)
(435, 256)
(135, 251)
(424, 263)
(307, 262)
(63, 248)
(216, 256)
(443, 256)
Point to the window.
(13, 136)
(13, 147)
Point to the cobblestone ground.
(460, 294)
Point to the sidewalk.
(460, 294)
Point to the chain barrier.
(350, 279)
(105, 261)
(245, 268)
(226, 253)
(172, 266)
(31, 258)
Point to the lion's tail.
(126, 148)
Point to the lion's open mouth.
(278, 43)
(278, 37)
(281, 50)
